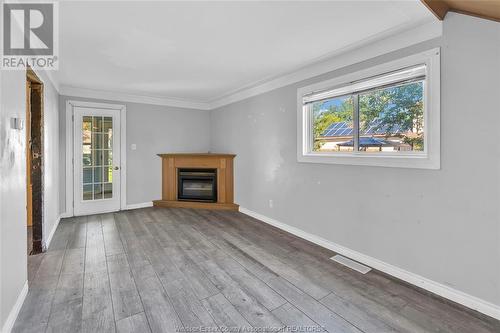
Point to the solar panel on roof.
(342, 128)
(345, 131)
(335, 126)
(339, 131)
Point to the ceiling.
(201, 51)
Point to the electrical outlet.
(133, 146)
(271, 203)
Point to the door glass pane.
(107, 157)
(107, 140)
(108, 190)
(97, 158)
(87, 158)
(98, 175)
(87, 140)
(107, 124)
(87, 175)
(108, 175)
(97, 124)
(86, 129)
(88, 192)
(97, 140)
(97, 191)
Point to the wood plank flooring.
(182, 270)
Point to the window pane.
(97, 157)
(108, 140)
(87, 123)
(332, 124)
(87, 158)
(97, 171)
(108, 191)
(86, 130)
(98, 175)
(97, 124)
(392, 119)
(108, 175)
(97, 191)
(107, 132)
(87, 175)
(107, 157)
(87, 192)
(86, 140)
(107, 125)
(96, 140)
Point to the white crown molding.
(132, 98)
(434, 287)
(387, 42)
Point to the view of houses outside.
(391, 119)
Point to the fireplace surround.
(197, 180)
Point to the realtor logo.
(29, 35)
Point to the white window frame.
(428, 159)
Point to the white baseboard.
(52, 232)
(140, 205)
(14, 312)
(131, 206)
(65, 215)
(437, 288)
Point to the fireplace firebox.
(197, 185)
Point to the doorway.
(34, 162)
(96, 175)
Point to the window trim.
(429, 159)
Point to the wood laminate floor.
(182, 270)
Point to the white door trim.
(69, 150)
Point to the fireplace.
(197, 185)
(197, 180)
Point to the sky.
(332, 102)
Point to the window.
(97, 163)
(384, 116)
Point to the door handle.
(117, 168)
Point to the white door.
(96, 160)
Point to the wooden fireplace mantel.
(222, 162)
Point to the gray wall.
(13, 274)
(443, 225)
(154, 129)
(13, 263)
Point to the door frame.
(35, 207)
(70, 105)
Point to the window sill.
(413, 161)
